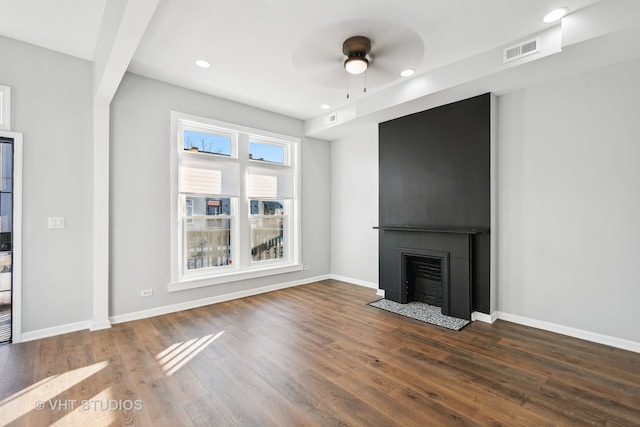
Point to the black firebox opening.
(423, 276)
(423, 279)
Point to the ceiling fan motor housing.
(356, 46)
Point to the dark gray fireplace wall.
(434, 170)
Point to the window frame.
(243, 267)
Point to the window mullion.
(243, 228)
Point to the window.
(235, 203)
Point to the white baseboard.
(559, 329)
(572, 332)
(55, 330)
(354, 281)
(483, 317)
(100, 324)
(372, 285)
(166, 309)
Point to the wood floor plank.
(452, 386)
(317, 355)
(163, 405)
(264, 395)
(393, 397)
(206, 411)
(336, 399)
(237, 404)
(298, 394)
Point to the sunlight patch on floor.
(24, 401)
(177, 355)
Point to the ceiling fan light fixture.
(356, 49)
(356, 65)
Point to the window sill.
(231, 277)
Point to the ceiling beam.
(123, 25)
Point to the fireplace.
(434, 265)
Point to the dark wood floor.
(315, 355)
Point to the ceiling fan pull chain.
(365, 81)
(347, 87)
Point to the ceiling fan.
(382, 48)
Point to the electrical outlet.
(146, 292)
(305, 267)
(56, 222)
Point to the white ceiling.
(67, 26)
(286, 55)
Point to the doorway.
(9, 209)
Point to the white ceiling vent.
(331, 119)
(521, 50)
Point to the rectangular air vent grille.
(331, 119)
(521, 50)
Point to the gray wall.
(569, 202)
(354, 207)
(52, 106)
(140, 199)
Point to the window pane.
(207, 242)
(267, 229)
(6, 167)
(202, 205)
(267, 207)
(266, 152)
(207, 236)
(6, 212)
(207, 143)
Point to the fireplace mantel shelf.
(433, 229)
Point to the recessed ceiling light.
(325, 106)
(554, 15)
(408, 72)
(203, 64)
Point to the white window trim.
(5, 108)
(179, 283)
